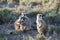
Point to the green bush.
(30, 1)
(4, 1)
(7, 16)
(52, 17)
(52, 28)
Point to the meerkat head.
(22, 19)
(39, 16)
(22, 16)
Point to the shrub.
(52, 28)
(29, 1)
(52, 17)
(2, 37)
(40, 37)
(7, 16)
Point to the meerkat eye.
(24, 15)
(40, 16)
(23, 18)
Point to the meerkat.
(41, 25)
(22, 23)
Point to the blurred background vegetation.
(49, 8)
(11, 9)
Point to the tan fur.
(41, 25)
(16, 26)
(20, 27)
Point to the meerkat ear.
(22, 14)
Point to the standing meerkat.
(22, 23)
(41, 25)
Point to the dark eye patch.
(23, 18)
(40, 15)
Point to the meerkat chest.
(39, 22)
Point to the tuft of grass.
(7, 16)
(52, 17)
(27, 37)
(29, 1)
(40, 37)
(14, 32)
(52, 28)
(2, 37)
